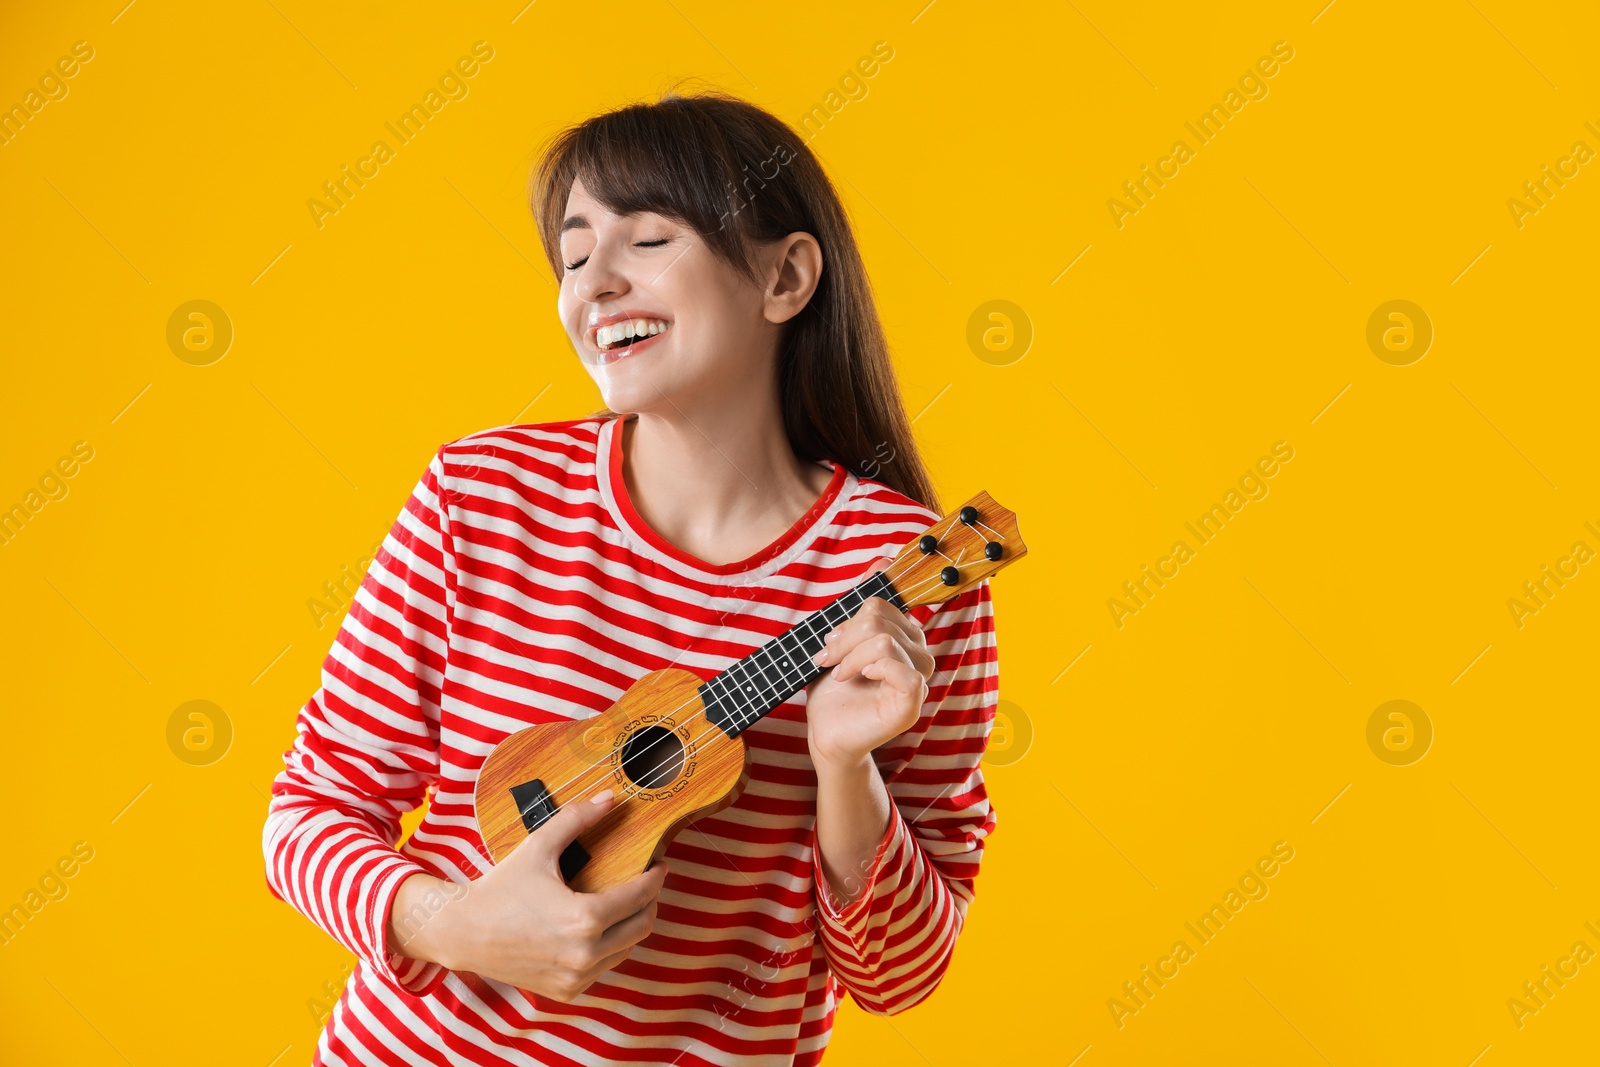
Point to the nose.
(600, 278)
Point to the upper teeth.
(622, 331)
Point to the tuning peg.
(929, 544)
(969, 514)
(950, 575)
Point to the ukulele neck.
(953, 555)
(761, 681)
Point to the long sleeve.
(367, 745)
(891, 945)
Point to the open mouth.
(627, 337)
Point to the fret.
(745, 688)
(728, 696)
(770, 671)
(753, 686)
(807, 638)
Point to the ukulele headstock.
(957, 552)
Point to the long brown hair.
(703, 159)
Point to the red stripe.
(519, 585)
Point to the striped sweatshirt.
(520, 586)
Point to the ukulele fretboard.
(764, 679)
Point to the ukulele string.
(691, 718)
(661, 775)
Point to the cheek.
(570, 312)
(720, 325)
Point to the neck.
(698, 476)
(755, 685)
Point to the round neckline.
(647, 533)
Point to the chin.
(629, 397)
(638, 388)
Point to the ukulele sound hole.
(652, 758)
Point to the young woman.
(762, 467)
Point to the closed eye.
(637, 244)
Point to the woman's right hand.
(520, 923)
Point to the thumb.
(571, 819)
(880, 564)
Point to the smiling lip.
(622, 316)
(612, 355)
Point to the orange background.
(1141, 769)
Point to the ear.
(794, 265)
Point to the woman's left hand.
(874, 692)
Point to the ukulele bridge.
(535, 806)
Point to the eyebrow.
(580, 222)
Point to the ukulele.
(670, 747)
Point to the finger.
(884, 609)
(915, 655)
(913, 641)
(612, 905)
(886, 613)
(875, 647)
(876, 616)
(602, 966)
(908, 637)
(898, 675)
(619, 937)
(570, 820)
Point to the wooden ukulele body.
(654, 748)
(657, 748)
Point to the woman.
(763, 467)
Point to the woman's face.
(714, 339)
